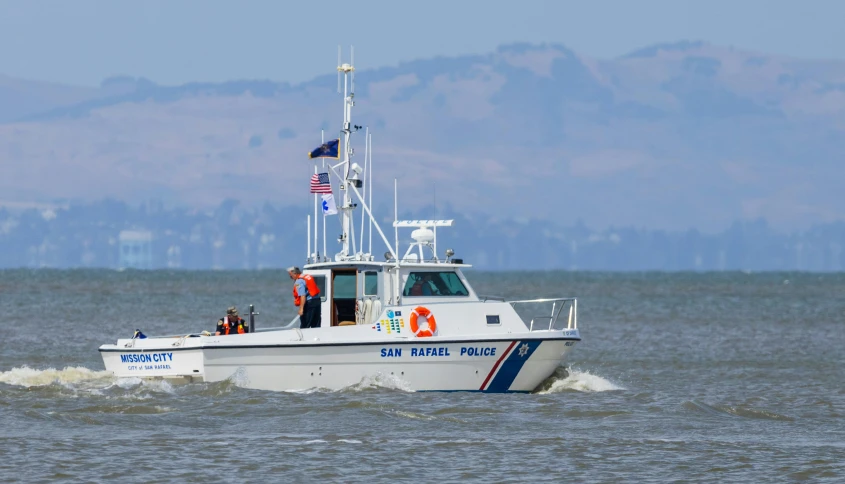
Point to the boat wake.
(380, 381)
(70, 376)
(81, 378)
(742, 411)
(377, 382)
(570, 379)
(140, 385)
(76, 379)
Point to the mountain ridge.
(666, 136)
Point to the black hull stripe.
(316, 345)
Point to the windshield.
(434, 284)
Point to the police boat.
(412, 318)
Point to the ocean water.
(679, 377)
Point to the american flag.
(320, 183)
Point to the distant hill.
(20, 98)
(669, 136)
(26, 100)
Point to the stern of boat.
(173, 358)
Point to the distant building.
(136, 249)
(174, 257)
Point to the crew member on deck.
(306, 296)
(231, 323)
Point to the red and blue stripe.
(508, 366)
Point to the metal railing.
(558, 304)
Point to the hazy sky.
(176, 41)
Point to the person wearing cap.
(231, 323)
(306, 297)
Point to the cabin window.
(434, 284)
(493, 319)
(321, 285)
(344, 286)
(371, 283)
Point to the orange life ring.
(432, 324)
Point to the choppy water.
(699, 377)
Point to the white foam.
(240, 378)
(307, 391)
(70, 375)
(582, 381)
(415, 416)
(378, 380)
(382, 380)
(129, 382)
(135, 383)
(159, 385)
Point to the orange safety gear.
(229, 327)
(310, 286)
(432, 324)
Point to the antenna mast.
(348, 71)
(351, 178)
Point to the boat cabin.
(356, 293)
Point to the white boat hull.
(430, 364)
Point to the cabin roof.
(413, 265)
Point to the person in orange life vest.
(231, 323)
(306, 297)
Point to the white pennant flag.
(329, 208)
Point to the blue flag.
(139, 335)
(329, 149)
